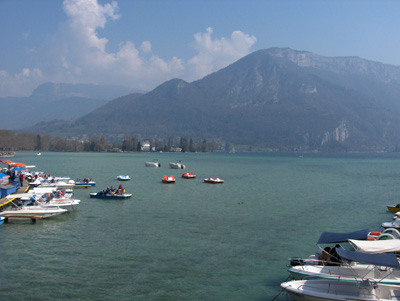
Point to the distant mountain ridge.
(277, 98)
(56, 100)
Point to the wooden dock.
(33, 218)
(4, 202)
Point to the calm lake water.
(191, 240)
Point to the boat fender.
(375, 233)
(294, 261)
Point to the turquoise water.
(191, 240)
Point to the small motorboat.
(395, 224)
(123, 178)
(168, 180)
(177, 165)
(115, 196)
(394, 208)
(188, 175)
(327, 289)
(85, 183)
(153, 163)
(214, 181)
(32, 211)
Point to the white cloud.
(218, 53)
(77, 54)
(145, 47)
(20, 84)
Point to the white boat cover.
(376, 246)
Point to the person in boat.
(120, 189)
(325, 256)
(335, 258)
(112, 190)
(108, 190)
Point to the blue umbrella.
(18, 168)
(3, 176)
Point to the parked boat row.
(47, 196)
(359, 265)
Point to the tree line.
(9, 141)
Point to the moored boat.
(168, 180)
(177, 165)
(123, 178)
(29, 211)
(393, 208)
(153, 163)
(188, 175)
(85, 183)
(369, 281)
(214, 181)
(115, 196)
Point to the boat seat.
(395, 294)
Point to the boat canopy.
(388, 260)
(331, 237)
(376, 246)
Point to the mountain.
(277, 98)
(61, 101)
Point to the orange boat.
(189, 175)
(168, 180)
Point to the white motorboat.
(314, 266)
(64, 203)
(32, 211)
(153, 163)
(324, 289)
(177, 165)
(380, 284)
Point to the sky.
(142, 43)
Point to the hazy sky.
(142, 43)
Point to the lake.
(191, 240)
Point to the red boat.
(214, 181)
(168, 180)
(188, 175)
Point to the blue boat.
(100, 195)
(85, 183)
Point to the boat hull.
(84, 184)
(393, 208)
(28, 212)
(319, 290)
(152, 164)
(213, 181)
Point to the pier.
(4, 201)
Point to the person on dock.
(21, 179)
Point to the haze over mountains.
(277, 98)
(56, 101)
